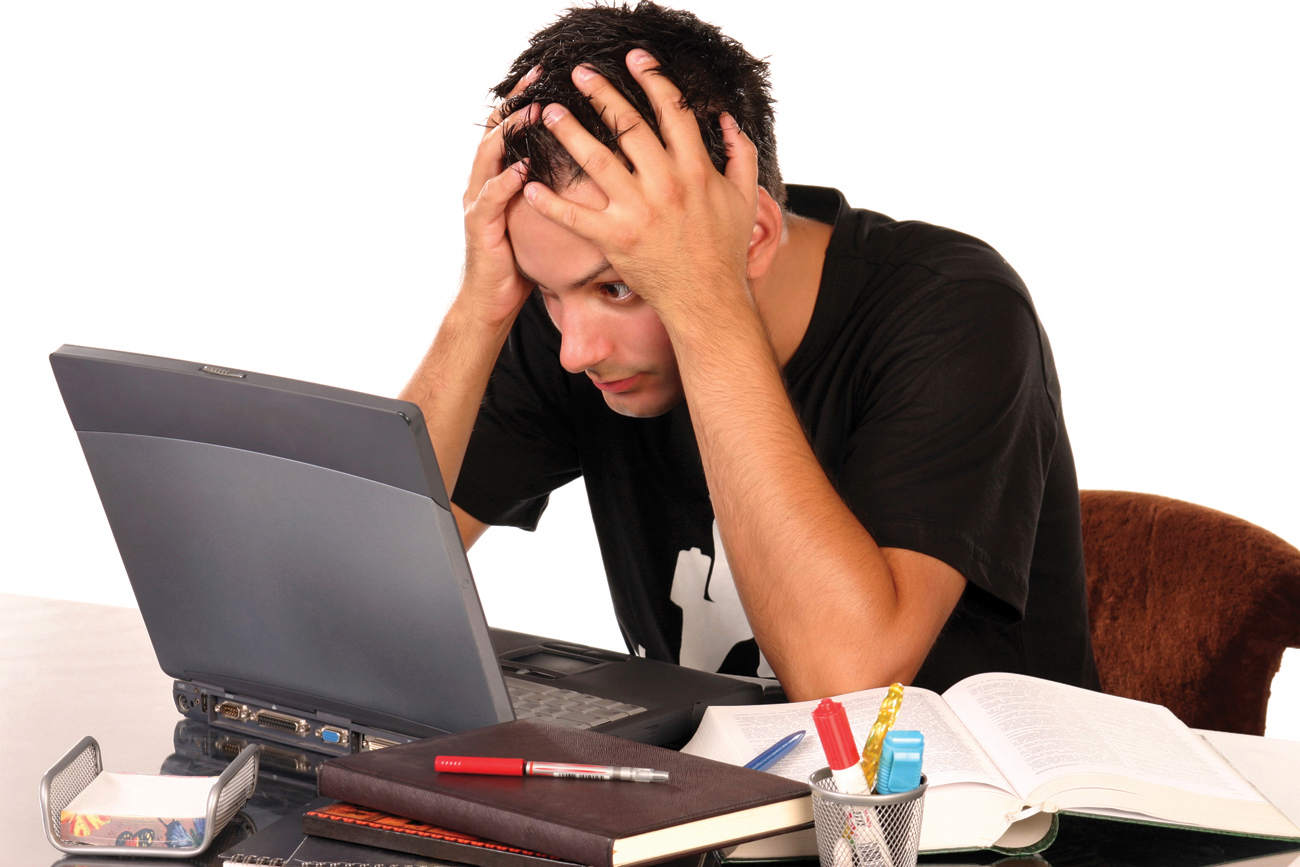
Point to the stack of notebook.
(393, 798)
(332, 833)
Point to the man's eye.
(616, 291)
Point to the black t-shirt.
(928, 392)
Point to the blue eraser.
(900, 762)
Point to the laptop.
(301, 577)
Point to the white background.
(276, 186)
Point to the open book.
(1004, 752)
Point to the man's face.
(607, 332)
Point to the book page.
(1270, 764)
(736, 734)
(1040, 730)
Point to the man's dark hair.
(713, 72)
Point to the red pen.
(841, 752)
(522, 767)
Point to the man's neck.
(786, 293)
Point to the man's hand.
(450, 381)
(674, 229)
(492, 284)
(831, 610)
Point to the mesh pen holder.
(865, 830)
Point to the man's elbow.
(805, 683)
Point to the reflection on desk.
(69, 669)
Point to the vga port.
(282, 721)
(333, 735)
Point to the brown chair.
(1191, 608)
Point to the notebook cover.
(283, 844)
(579, 820)
(353, 824)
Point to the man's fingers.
(491, 151)
(676, 124)
(598, 161)
(494, 119)
(742, 156)
(528, 78)
(578, 218)
(635, 137)
(499, 190)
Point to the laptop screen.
(287, 541)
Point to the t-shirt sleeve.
(523, 445)
(954, 439)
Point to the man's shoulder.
(947, 253)
(892, 288)
(877, 239)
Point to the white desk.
(70, 669)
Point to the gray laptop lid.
(272, 528)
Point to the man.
(818, 444)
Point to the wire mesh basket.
(82, 764)
(865, 830)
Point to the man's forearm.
(820, 595)
(690, 242)
(448, 385)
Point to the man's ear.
(769, 225)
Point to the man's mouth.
(614, 386)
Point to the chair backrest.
(1191, 608)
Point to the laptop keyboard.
(541, 701)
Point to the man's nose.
(583, 344)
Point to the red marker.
(522, 767)
(841, 752)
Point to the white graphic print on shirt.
(713, 621)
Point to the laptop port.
(232, 710)
(333, 735)
(370, 742)
(282, 721)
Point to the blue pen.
(769, 756)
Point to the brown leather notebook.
(704, 805)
